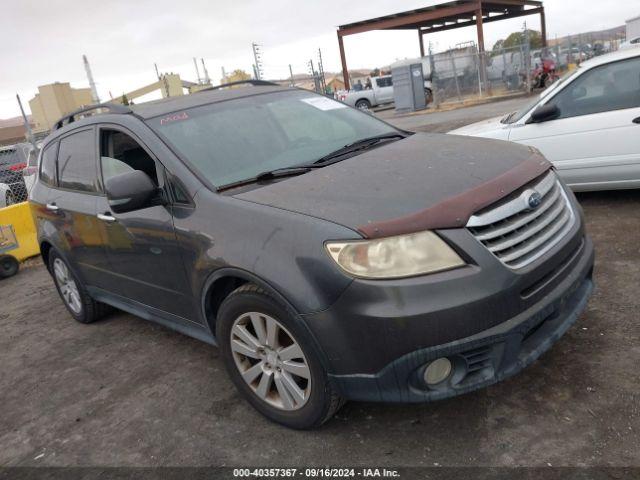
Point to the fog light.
(437, 371)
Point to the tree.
(518, 38)
(124, 100)
(236, 76)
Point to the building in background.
(633, 28)
(12, 131)
(55, 100)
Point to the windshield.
(517, 115)
(232, 141)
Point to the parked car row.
(328, 254)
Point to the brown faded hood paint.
(425, 181)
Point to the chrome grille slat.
(517, 233)
(520, 221)
(538, 241)
(525, 234)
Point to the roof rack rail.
(111, 107)
(255, 83)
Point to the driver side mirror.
(544, 113)
(131, 191)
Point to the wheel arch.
(45, 249)
(225, 280)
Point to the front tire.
(272, 361)
(73, 293)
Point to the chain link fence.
(464, 74)
(18, 167)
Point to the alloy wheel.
(270, 361)
(68, 288)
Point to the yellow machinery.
(18, 239)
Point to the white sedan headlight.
(394, 257)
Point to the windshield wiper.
(507, 118)
(284, 172)
(358, 145)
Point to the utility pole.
(291, 76)
(316, 82)
(92, 84)
(27, 127)
(195, 64)
(527, 53)
(155, 65)
(224, 75)
(321, 71)
(207, 80)
(257, 57)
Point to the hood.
(477, 129)
(424, 181)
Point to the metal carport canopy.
(445, 16)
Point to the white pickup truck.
(380, 93)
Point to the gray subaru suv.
(329, 255)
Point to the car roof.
(172, 104)
(611, 57)
(165, 106)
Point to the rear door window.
(48, 168)
(77, 162)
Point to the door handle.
(105, 217)
(636, 120)
(52, 207)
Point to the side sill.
(174, 322)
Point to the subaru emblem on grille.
(534, 200)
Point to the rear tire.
(263, 377)
(363, 104)
(9, 266)
(73, 293)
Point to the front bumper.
(481, 356)
(478, 361)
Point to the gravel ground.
(125, 392)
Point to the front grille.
(519, 232)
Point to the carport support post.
(345, 72)
(543, 28)
(483, 64)
(421, 40)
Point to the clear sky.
(43, 40)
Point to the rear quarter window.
(77, 162)
(48, 167)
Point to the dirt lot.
(127, 392)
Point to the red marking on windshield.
(174, 118)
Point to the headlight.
(394, 257)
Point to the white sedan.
(587, 124)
